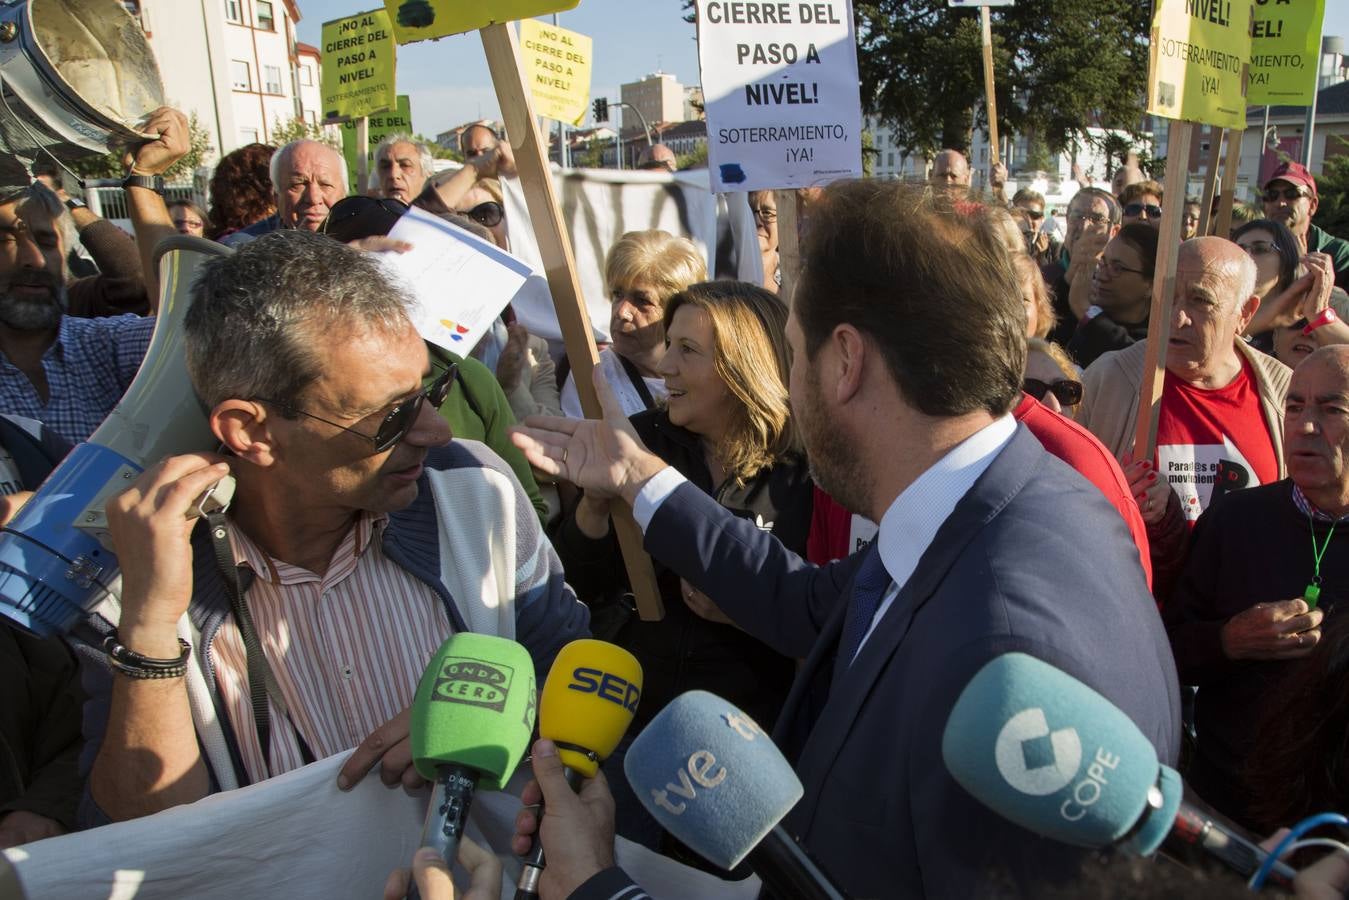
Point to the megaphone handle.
(447, 814)
(528, 886)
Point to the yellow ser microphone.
(586, 706)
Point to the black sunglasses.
(399, 420)
(1035, 214)
(488, 215)
(1136, 209)
(1069, 393)
(355, 217)
(1290, 194)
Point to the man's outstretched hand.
(604, 456)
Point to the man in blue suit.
(908, 339)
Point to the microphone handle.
(527, 888)
(446, 814)
(1195, 828)
(787, 871)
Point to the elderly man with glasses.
(1221, 421)
(1093, 219)
(358, 539)
(1290, 198)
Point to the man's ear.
(1311, 210)
(848, 361)
(1245, 313)
(244, 427)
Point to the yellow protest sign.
(380, 126)
(1199, 48)
(557, 70)
(1285, 47)
(421, 20)
(358, 65)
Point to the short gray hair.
(424, 156)
(283, 155)
(262, 316)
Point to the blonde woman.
(728, 428)
(642, 271)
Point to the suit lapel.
(852, 686)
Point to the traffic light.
(601, 109)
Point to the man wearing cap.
(1290, 198)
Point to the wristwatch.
(74, 203)
(151, 182)
(1092, 312)
(1325, 318)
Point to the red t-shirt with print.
(1213, 437)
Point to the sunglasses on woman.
(398, 421)
(488, 215)
(1068, 392)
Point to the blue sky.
(449, 83)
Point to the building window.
(271, 79)
(239, 74)
(264, 16)
(248, 135)
(306, 76)
(232, 12)
(311, 117)
(890, 160)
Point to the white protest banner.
(440, 268)
(780, 88)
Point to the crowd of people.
(853, 501)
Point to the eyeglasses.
(361, 216)
(1035, 214)
(1093, 218)
(1259, 248)
(488, 215)
(1115, 269)
(1290, 194)
(765, 214)
(398, 422)
(1136, 209)
(1068, 392)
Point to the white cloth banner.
(599, 206)
(780, 87)
(297, 835)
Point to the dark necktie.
(868, 588)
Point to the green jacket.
(477, 409)
(1321, 241)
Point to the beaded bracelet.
(134, 665)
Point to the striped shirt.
(347, 647)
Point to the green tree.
(110, 165)
(297, 129)
(694, 159)
(1332, 189)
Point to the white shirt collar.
(912, 521)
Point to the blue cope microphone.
(1045, 751)
(712, 778)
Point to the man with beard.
(63, 371)
(1290, 198)
(987, 545)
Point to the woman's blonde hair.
(1056, 353)
(492, 187)
(666, 263)
(749, 327)
(1028, 274)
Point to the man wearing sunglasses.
(1142, 202)
(1290, 198)
(1040, 242)
(358, 539)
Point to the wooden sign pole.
(1222, 225)
(1215, 156)
(1163, 292)
(503, 60)
(362, 153)
(987, 28)
(789, 249)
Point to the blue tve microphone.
(713, 778)
(1045, 751)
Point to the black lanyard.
(262, 682)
